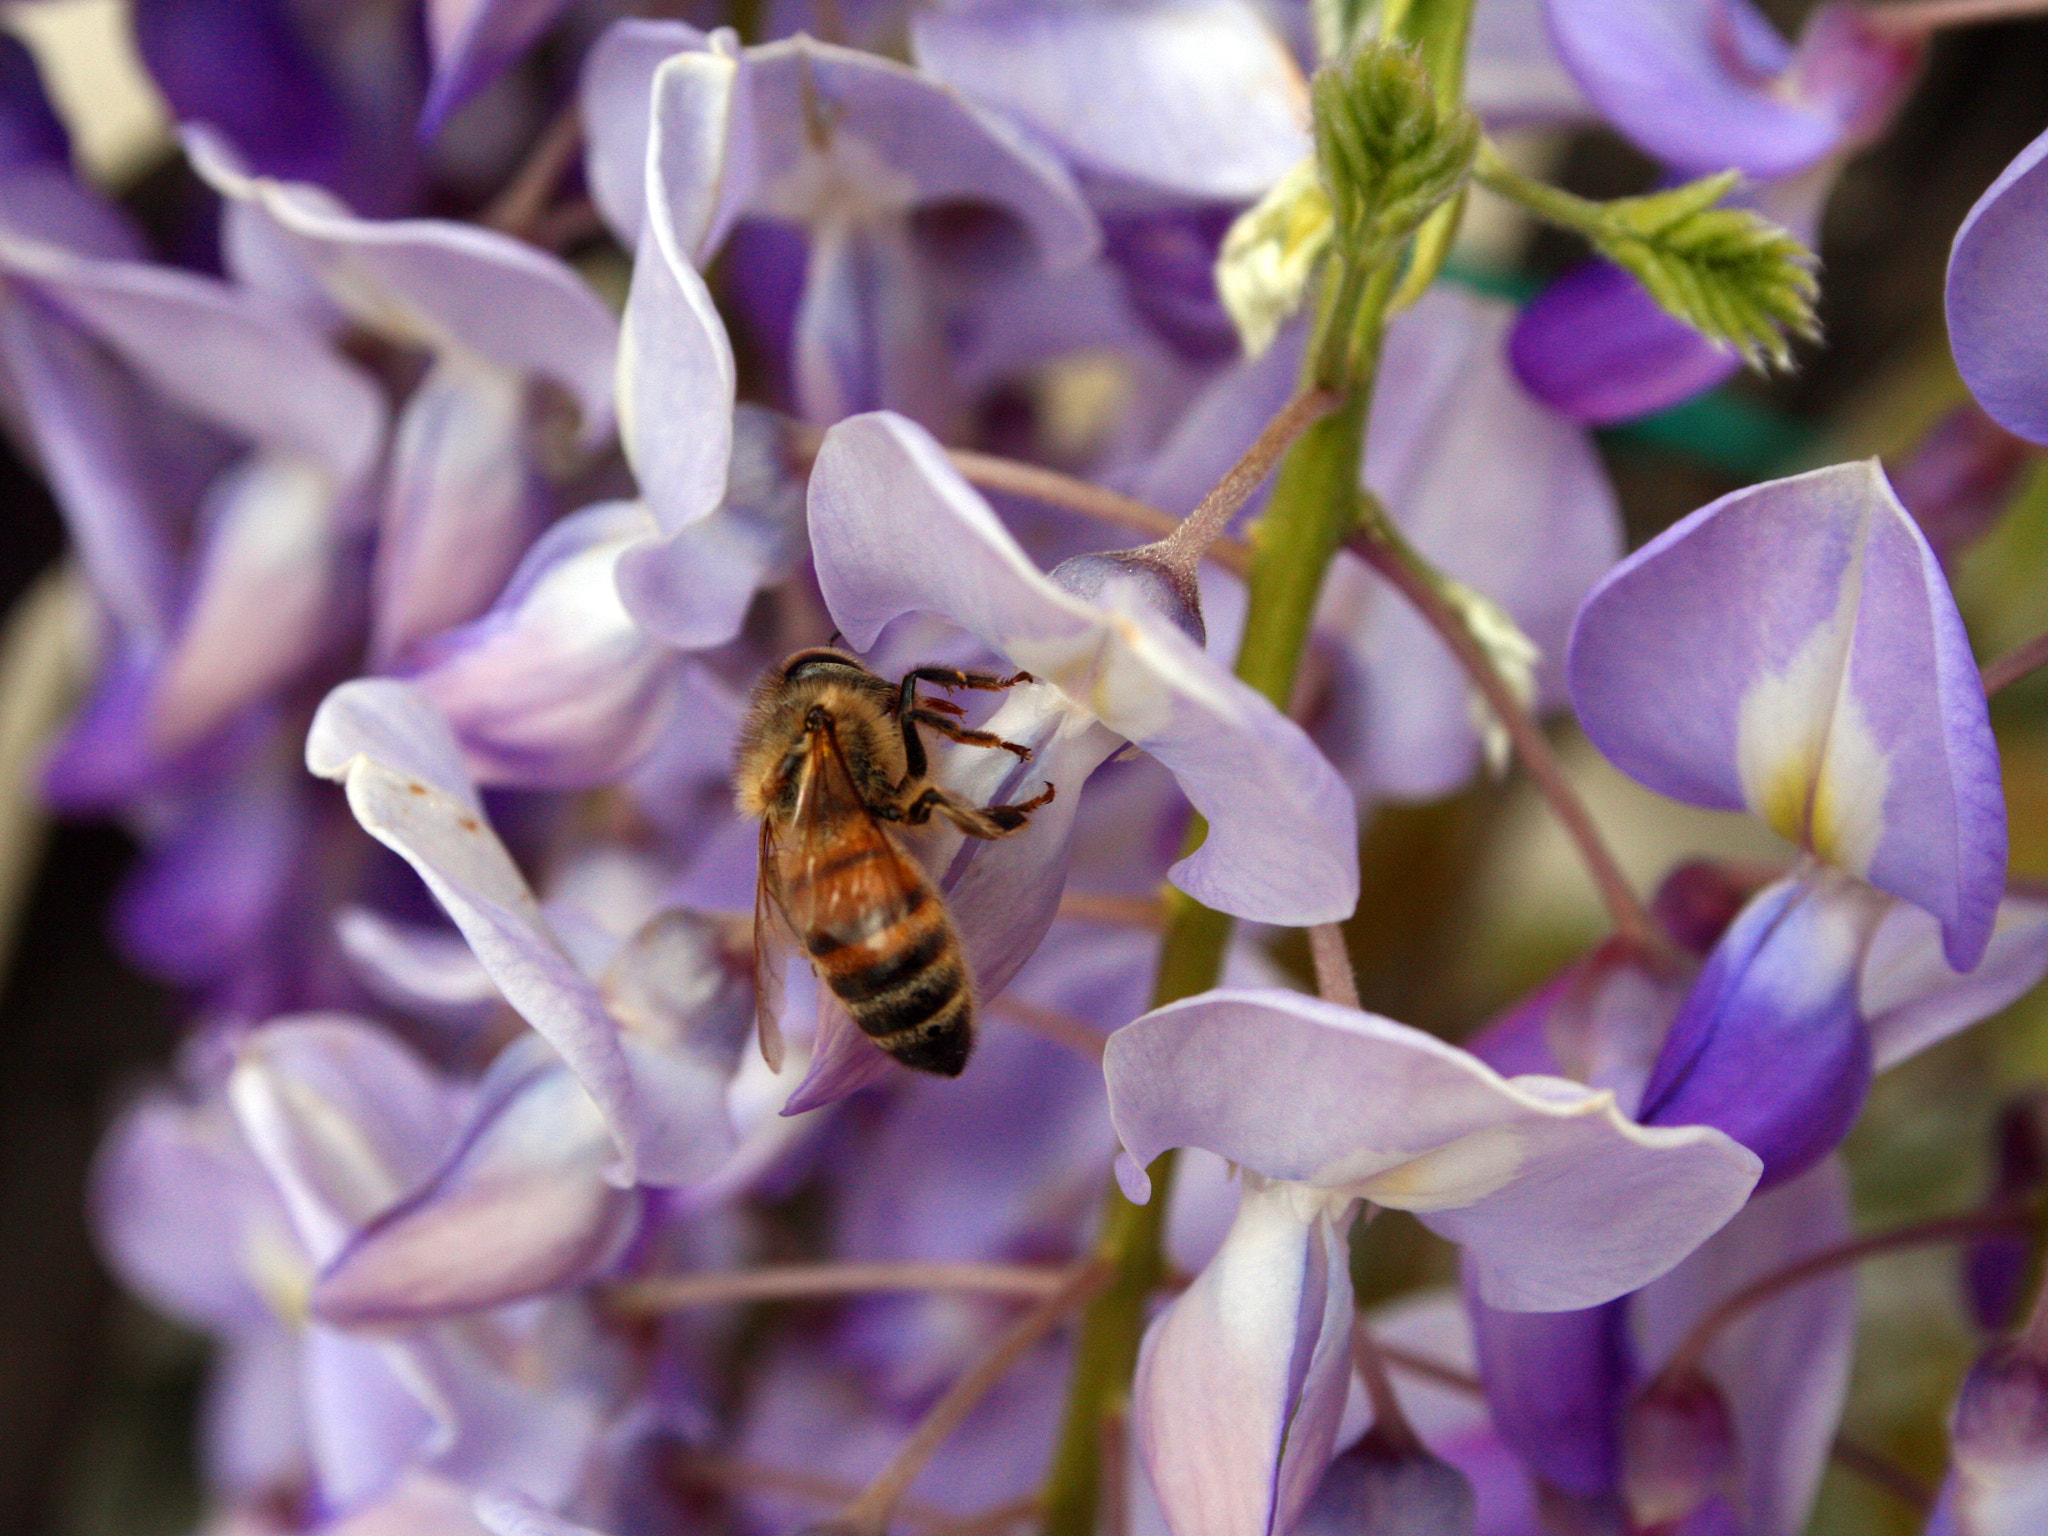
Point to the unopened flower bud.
(1390, 1485)
(1700, 898)
(1996, 1268)
(1155, 582)
(1959, 478)
(1677, 1449)
(2001, 1417)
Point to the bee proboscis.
(830, 757)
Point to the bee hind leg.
(988, 821)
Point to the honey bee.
(830, 759)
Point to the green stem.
(1554, 205)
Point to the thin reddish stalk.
(869, 1513)
(520, 205)
(1335, 979)
(1389, 1422)
(2028, 656)
(1916, 18)
(1920, 1234)
(1431, 1369)
(1122, 911)
(789, 1282)
(727, 1472)
(1062, 1029)
(1883, 1472)
(1195, 535)
(1624, 909)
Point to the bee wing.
(843, 869)
(773, 944)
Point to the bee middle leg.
(913, 712)
(975, 820)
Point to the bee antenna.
(837, 640)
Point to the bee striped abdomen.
(903, 982)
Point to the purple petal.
(1910, 997)
(421, 971)
(253, 1421)
(179, 1206)
(267, 592)
(441, 285)
(420, 1505)
(1793, 648)
(342, 1117)
(30, 134)
(1995, 273)
(1783, 1366)
(1704, 85)
(1597, 347)
(673, 352)
(1298, 1089)
(842, 1061)
(508, 1514)
(702, 164)
(1999, 1445)
(520, 1208)
(475, 41)
(229, 357)
(614, 93)
(556, 686)
(407, 786)
(691, 589)
(461, 506)
(1770, 1045)
(1200, 99)
(1556, 1384)
(1281, 841)
(1493, 488)
(933, 145)
(1242, 1380)
(865, 337)
(1959, 478)
(365, 1424)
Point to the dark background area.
(97, 1397)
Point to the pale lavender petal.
(1910, 997)
(702, 163)
(1303, 1090)
(522, 1427)
(1200, 98)
(49, 203)
(1769, 1045)
(866, 337)
(253, 1421)
(1242, 1380)
(228, 356)
(1783, 1366)
(180, 1208)
(675, 383)
(1505, 495)
(365, 1425)
(475, 41)
(1513, 76)
(420, 1505)
(692, 588)
(510, 1514)
(904, 139)
(342, 1117)
(520, 1208)
(407, 786)
(842, 1061)
(443, 285)
(418, 970)
(556, 686)
(1704, 85)
(461, 505)
(1793, 648)
(1281, 845)
(267, 594)
(615, 94)
(81, 410)
(1996, 271)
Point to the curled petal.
(1769, 1044)
(1560, 1201)
(1708, 84)
(1281, 823)
(1241, 1382)
(441, 284)
(1200, 98)
(614, 93)
(1996, 267)
(420, 970)
(519, 1209)
(556, 686)
(407, 786)
(1793, 649)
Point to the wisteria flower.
(1243, 1379)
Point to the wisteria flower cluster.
(609, 679)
